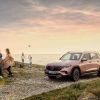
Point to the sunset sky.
(49, 26)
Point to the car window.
(75, 57)
(71, 56)
(94, 56)
(87, 56)
(66, 56)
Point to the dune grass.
(70, 93)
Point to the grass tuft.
(72, 92)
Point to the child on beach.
(30, 60)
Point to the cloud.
(13, 10)
(50, 14)
(60, 15)
(80, 4)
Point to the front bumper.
(56, 73)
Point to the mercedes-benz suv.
(74, 64)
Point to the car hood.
(64, 63)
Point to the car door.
(85, 65)
(95, 62)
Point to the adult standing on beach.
(8, 62)
(23, 58)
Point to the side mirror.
(84, 59)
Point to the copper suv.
(74, 65)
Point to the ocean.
(41, 59)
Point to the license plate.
(52, 72)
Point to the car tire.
(52, 77)
(75, 74)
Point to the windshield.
(71, 56)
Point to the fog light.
(64, 72)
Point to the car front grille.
(54, 68)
